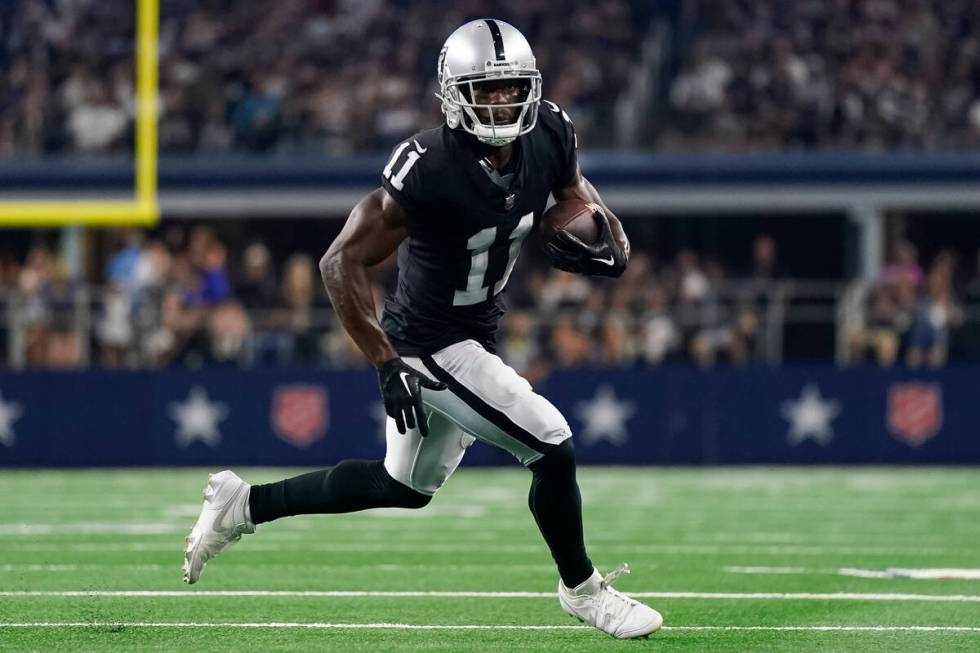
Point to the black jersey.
(467, 225)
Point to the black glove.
(400, 389)
(604, 258)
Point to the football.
(573, 216)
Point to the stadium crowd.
(919, 313)
(334, 77)
(176, 297)
(768, 75)
(317, 77)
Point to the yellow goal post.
(142, 209)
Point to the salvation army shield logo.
(299, 414)
(915, 411)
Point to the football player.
(456, 202)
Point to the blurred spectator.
(215, 286)
(936, 314)
(97, 123)
(755, 298)
(711, 323)
(64, 339)
(227, 332)
(114, 327)
(153, 274)
(519, 346)
(260, 295)
(886, 321)
(890, 308)
(257, 286)
(299, 288)
(904, 267)
(34, 310)
(688, 285)
(256, 114)
(570, 346)
(616, 346)
(692, 283)
(563, 290)
(660, 335)
(122, 265)
(763, 259)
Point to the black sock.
(348, 486)
(556, 504)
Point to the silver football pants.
(486, 400)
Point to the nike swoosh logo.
(608, 261)
(404, 377)
(221, 512)
(419, 148)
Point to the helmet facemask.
(458, 94)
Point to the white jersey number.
(477, 284)
(398, 180)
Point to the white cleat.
(596, 603)
(224, 517)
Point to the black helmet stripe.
(498, 39)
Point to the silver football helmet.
(487, 50)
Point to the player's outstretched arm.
(582, 189)
(374, 229)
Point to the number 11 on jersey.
(477, 284)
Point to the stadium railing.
(100, 317)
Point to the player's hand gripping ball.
(577, 238)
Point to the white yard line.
(912, 573)
(725, 596)
(282, 543)
(395, 626)
(73, 567)
(67, 568)
(92, 528)
(777, 570)
(835, 629)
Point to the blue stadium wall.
(670, 415)
(622, 169)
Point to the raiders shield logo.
(915, 411)
(299, 414)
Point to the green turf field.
(746, 559)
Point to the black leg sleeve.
(348, 486)
(556, 504)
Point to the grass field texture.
(743, 559)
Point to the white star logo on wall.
(10, 412)
(197, 418)
(810, 417)
(604, 417)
